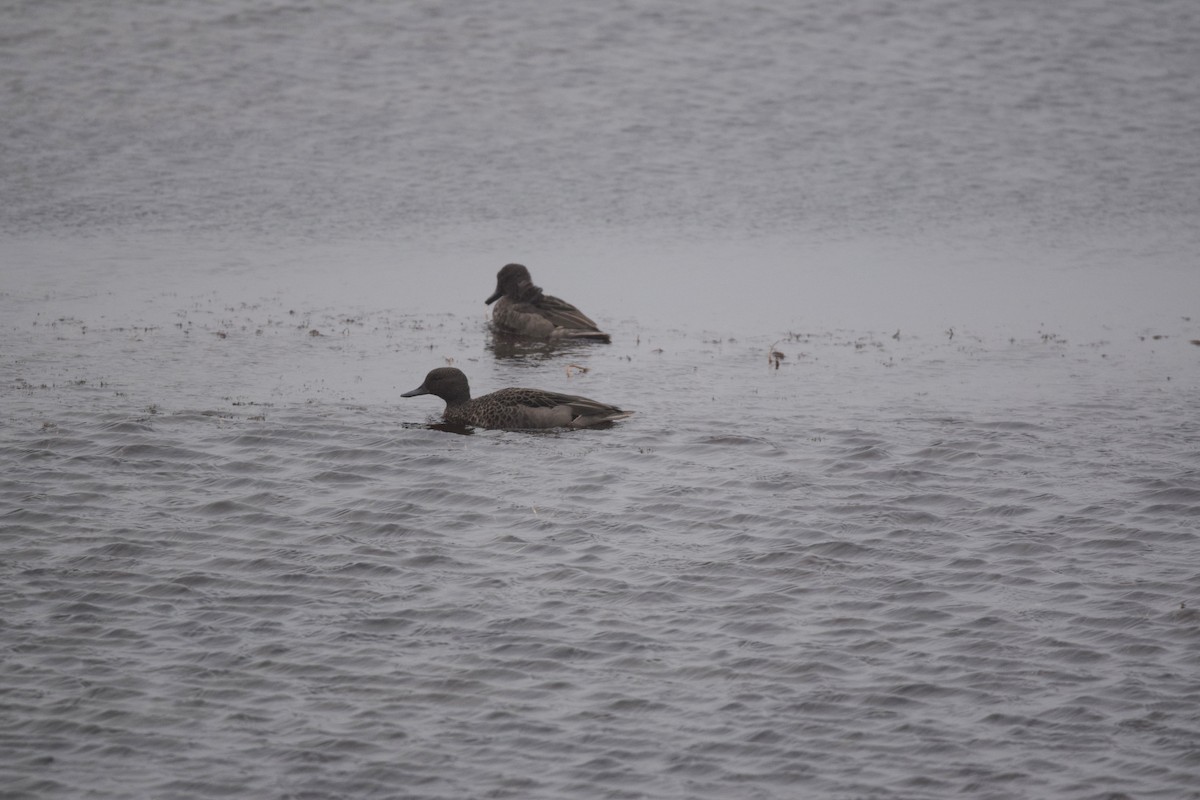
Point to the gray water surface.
(904, 296)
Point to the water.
(944, 547)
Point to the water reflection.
(512, 347)
(464, 430)
(461, 430)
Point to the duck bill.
(417, 391)
(496, 295)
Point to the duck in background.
(524, 309)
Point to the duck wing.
(570, 410)
(563, 314)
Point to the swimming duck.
(525, 310)
(514, 408)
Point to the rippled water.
(905, 299)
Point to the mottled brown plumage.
(514, 408)
(524, 309)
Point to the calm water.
(944, 545)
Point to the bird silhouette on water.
(513, 408)
(525, 310)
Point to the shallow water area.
(970, 556)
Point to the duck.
(513, 408)
(527, 311)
